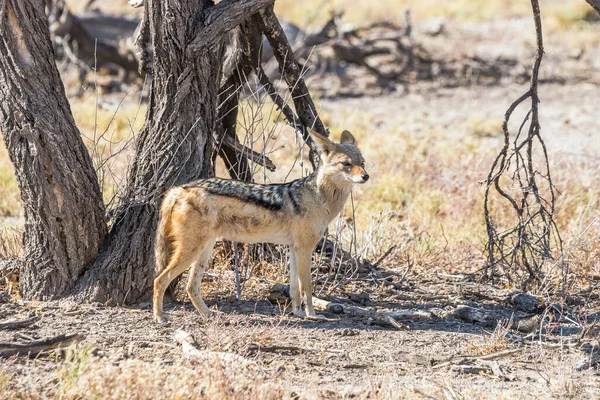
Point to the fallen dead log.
(411, 315)
(491, 318)
(19, 324)
(35, 347)
(471, 369)
(94, 38)
(377, 318)
(516, 298)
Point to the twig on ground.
(279, 349)
(471, 369)
(33, 348)
(500, 354)
(19, 324)
(377, 318)
(189, 348)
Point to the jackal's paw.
(212, 314)
(162, 320)
(317, 317)
(299, 313)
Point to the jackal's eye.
(346, 164)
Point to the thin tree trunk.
(595, 4)
(64, 212)
(245, 53)
(290, 70)
(175, 144)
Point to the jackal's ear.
(347, 138)
(323, 144)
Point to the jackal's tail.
(162, 251)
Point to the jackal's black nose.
(365, 177)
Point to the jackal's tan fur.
(195, 215)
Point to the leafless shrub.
(521, 253)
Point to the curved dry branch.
(518, 253)
(269, 25)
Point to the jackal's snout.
(359, 175)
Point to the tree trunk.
(175, 144)
(64, 212)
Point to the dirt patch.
(337, 357)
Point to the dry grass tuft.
(11, 246)
(10, 200)
(6, 375)
(85, 376)
(558, 14)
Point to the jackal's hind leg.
(180, 260)
(195, 280)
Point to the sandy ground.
(568, 112)
(341, 356)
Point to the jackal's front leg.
(303, 260)
(295, 285)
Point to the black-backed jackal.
(195, 215)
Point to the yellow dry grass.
(557, 13)
(10, 201)
(108, 133)
(424, 187)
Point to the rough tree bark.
(64, 229)
(175, 144)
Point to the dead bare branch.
(35, 347)
(518, 253)
(289, 68)
(257, 158)
(19, 324)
